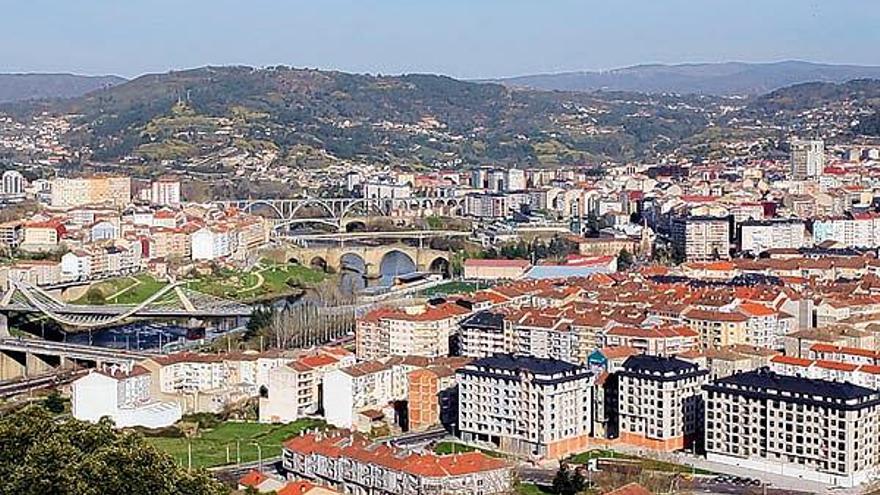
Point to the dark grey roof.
(764, 379)
(484, 319)
(657, 364)
(535, 365)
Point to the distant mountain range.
(22, 87)
(722, 79)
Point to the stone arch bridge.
(331, 257)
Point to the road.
(12, 388)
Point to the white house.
(209, 244)
(76, 265)
(122, 396)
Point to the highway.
(393, 234)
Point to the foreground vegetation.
(41, 453)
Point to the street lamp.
(259, 456)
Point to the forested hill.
(408, 118)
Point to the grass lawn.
(450, 288)
(647, 464)
(209, 448)
(268, 280)
(444, 448)
(139, 288)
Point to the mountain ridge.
(712, 78)
(26, 86)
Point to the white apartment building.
(860, 230)
(820, 430)
(660, 402)
(523, 405)
(482, 334)
(209, 243)
(68, 192)
(807, 159)
(122, 396)
(757, 236)
(295, 389)
(165, 191)
(348, 391)
(416, 330)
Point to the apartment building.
(11, 235)
(43, 235)
(701, 238)
(757, 236)
(807, 159)
(801, 427)
(717, 328)
(295, 389)
(665, 340)
(660, 403)
(417, 330)
(523, 405)
(482, 334)
(432, 398)
(72, 192)
(210, 382)
(352, 464)
(366, 386)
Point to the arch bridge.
(332, 257)
(339, 212)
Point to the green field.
(209, 447)
(531, 489)
(125, 290)
(451, 288)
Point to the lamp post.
(259, 456)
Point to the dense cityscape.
(658, 279)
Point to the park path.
(118, 293)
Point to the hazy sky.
(462, 38)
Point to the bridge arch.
(319, 263)
(355, 226)
(396, 262)
(313, 202)
(440, 265)
(249, 208)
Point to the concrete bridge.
(340, 212)
(371, 258)
(32, 357)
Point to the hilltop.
(23, 87)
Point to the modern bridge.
(171, 301)
(38, 358)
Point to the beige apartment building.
(534, 407)
(660, 402)
(821, 430)
(701, 238)
(72, 192)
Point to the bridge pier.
(12, 365)
(36, 364)
(4, 325)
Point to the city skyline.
(456, 39)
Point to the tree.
(40, 454)
(54, 403)
(568, 481)
(94, 296)
(624, 260)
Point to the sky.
(461, 38)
